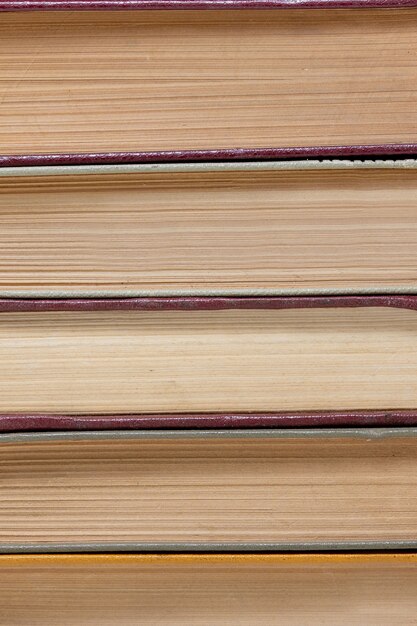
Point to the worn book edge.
(100, 5)
(372, 152)
(37, 302)
(97, 169)
(370, 434)
(50, 560)
(202, 547)
(10, 423)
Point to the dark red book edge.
(204, 303)
(93, 5)
(233, 154)
(300, 419)
(318, 419)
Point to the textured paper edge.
(195, 547)
(249, 166)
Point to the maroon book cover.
(366, 418)
(314, 419)
(126, 5)
(233, 154)
(204, 303)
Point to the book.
(198, 590)
(207, 355)
(146, 81)
(294, 227)
(241, 490)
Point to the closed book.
(201, 590)
(248, 228)
(208, 355)
(205, 491)
(175, 79)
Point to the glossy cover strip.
(94, 5)
(209, 166)
(302, 433)
(313, 558)
(300, 419)
(197, 303)
(184, 548)
(232, 154)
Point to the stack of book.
(208, 312)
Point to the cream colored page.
(219, 361)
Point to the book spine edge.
(233, 154)
(126, 5)
(300, 419)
